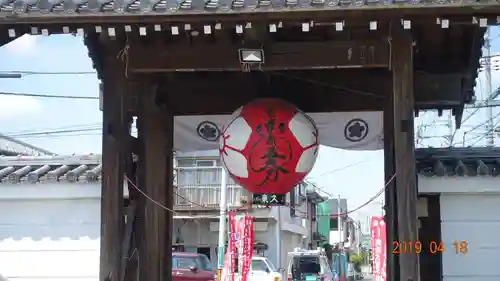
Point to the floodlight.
(251, 55)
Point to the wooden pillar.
(404, 147)
(114, 142)
(391, 222)
(155, 132)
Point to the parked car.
(192, 267)
(262, 269)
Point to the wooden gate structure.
(160, 58)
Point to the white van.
(310, 265)
(262, 269)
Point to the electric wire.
(484, 135)
(343, 168)
(48, 96)
(49, 129)
(29, 73)
(249, 202)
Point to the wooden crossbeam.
(159, 58)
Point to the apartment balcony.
(199, 189)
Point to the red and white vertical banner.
(379, 248)
(244, 228)
(227, 273)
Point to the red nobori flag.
(230, 256)
(379, 246)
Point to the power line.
(27, 73)
(50, 129)
(48, 96)
(489, 132)
(344, 167)
(55, 132)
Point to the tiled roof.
(458, 161)
(87, 168)
(25, 169)
(73, 8)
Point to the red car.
(192, 267)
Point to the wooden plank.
(113, 147)
(278, 56)
(155, 132)
(404, 148)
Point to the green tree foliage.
(357, 261)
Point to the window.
(185, 163)
(305, 265)
(205, 163)
(334, 224)
(201, 262)
(259, 265)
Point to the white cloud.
(23, 45)
(15, 107)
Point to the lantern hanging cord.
(380, 192)
(176, 194)
(123, 54)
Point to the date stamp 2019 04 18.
(433, 247)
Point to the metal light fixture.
(251, 55)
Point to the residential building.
(50, 222)
(328, 225)
(277, 229)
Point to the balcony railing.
(199, 188)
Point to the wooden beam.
(155, 132)
(404, 148)
(114, 144)
(224, 56)
(314, 91)
(222, 93)
(390, 217)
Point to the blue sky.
(64, 53)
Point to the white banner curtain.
(345, 130)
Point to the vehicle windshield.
(271, 265)
(201, 262)
(259, 265)
(305, 265)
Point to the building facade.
(278, 230)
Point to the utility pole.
(358, 230)
(449, 124)
(339, 221)
(222, 223)
(489, 92)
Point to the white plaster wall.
(51, 231)
(51, 239)
(474, 218)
